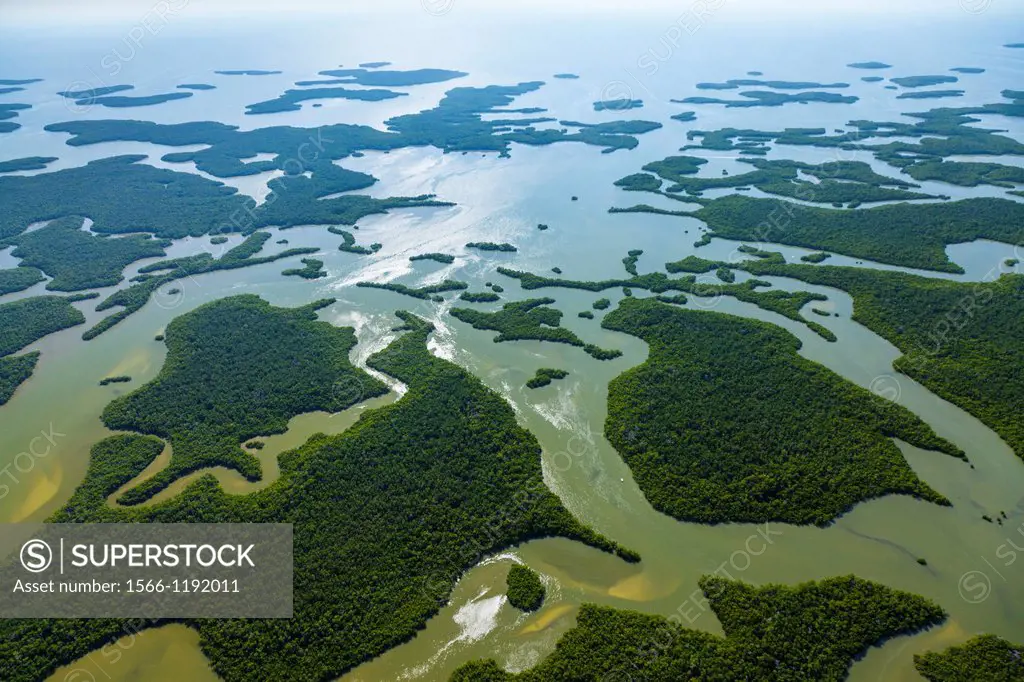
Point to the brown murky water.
(968, 571)
(879, 540)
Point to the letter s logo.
(36, 556)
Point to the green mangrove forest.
(525, 590)
(726, 422)
(776, 633)
(463, 479)
(985, 657)
(544, 376)
(531, 319)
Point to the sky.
(13, 12)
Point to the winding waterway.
(503, 200)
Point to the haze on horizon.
(63, 12)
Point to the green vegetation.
(103, 97)
(1010, 262)
(967, 174)
(585, 314)
(872, 79)
(121, 195)
(922, 81)
(674, 168)
(931, 94)
(115, 380)
(348, 244)
(815, 257)
(694, 264)
(704, 240)
(313, 269)
(726, 275)
(124, 101)
(777, 633)
(602, 304)
(296, 199)
(618, 104)
(236, 369)
(290, 99)
(629, 262)
(394, 79)
(76, 259)
(684, 116)
(726, 422)
(736, 83)
(29, 319)
(491, 246)
(838, 193)
(461, 480)
(14, 370)
(543, 377)
(639, 182)
(542, 226)
(870, 65)
(612, 135)
(27, 163)
(478, 297)
(913, 235)
(566, 76)
(985, 658)
(758, 253)
(525, 590)
(942, 132)
(786, 303)
(529, 320)
(747, 141)
(456, 124)
(93, 93)
(427, 293)
(19, 279)
(767, 98)
(134, 297)
(961, 340)
(439, 257)
(601, 353)
(197, 86)
(838, 181)
(218, 240)
(10, 110)
(23, 322)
